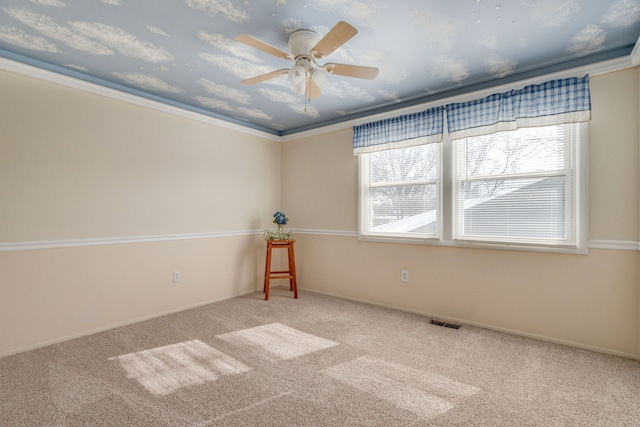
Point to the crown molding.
(27, 70)
(635, 53)
(602, 67)
(594, 69)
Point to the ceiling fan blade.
(265, 47)
(335, 38)
(263, 77)
(313, 91)
(356, 71)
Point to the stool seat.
(281, 274)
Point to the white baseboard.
(360, 300)
(485, 326)
(120, 324)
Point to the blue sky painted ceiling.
(184, 53)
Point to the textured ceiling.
(184, 53)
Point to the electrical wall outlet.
(177, 276)
(404, 275)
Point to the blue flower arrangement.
(280, 219)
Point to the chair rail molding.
(55, 244)
(624, 245)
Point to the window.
(518, 187)
(400, 193)
(513, 173)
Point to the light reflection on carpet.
(162, 370)
(280, 342)
(422, 393)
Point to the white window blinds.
(400, 192)
(517, 186)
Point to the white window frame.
(446, 210)
(364, 215)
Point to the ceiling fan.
(305, 48)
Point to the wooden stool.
(284, 274)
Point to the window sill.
(476, 245)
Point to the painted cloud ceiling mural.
(184, 52)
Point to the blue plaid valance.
(399, 132)
(553, 102)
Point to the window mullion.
(447, 193)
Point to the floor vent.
(445, 324)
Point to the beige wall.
(53, 294)
(587, 300)
(613, 157)
(75, 166)
(79, 166)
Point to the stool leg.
(292, 269)
(267, 272)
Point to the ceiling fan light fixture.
(299, 88)
(320, 78)
(297, 75)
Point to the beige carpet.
(315, 361)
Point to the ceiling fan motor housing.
(302, 41)
(300, 44)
